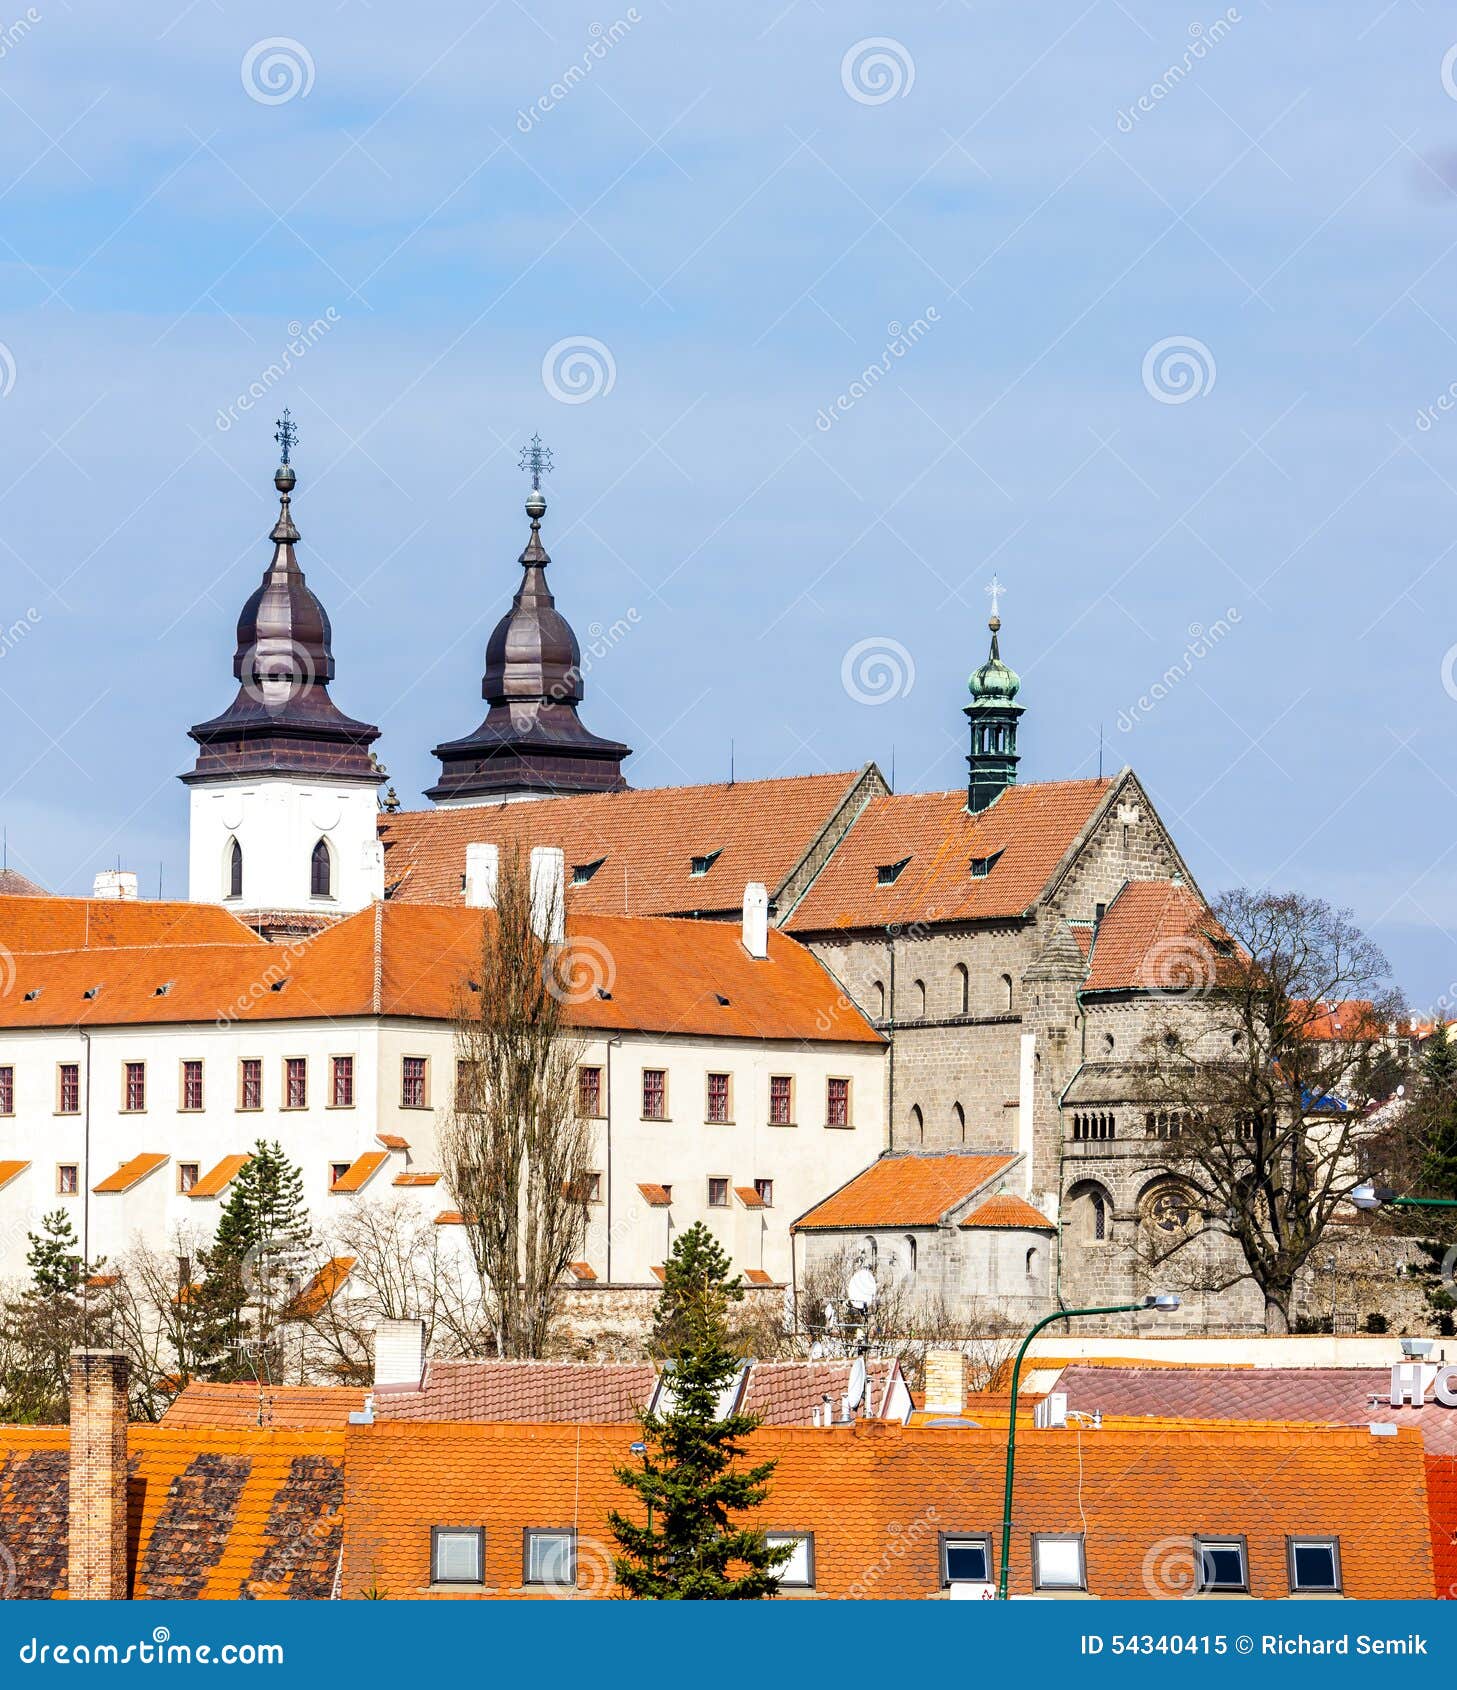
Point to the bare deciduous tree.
(515, 1147)
(1261, 1078)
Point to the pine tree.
(265, 1206)
(691, 1549)
(54, 1257)
(1437, 1103)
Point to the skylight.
(981, 867)
(888, 873)
(583, 872)
(701, 865)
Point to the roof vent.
(90, 991)
(888, 873)
(277, 985)
(163, 989)
(723, 1001)
(701, 865)
(583, 872)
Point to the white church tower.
(283, 828)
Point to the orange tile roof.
(216, 1180)
(1158, 936)
(645, 840)
(659, 1274)
(1138, 1495)
(657, 976)
(450, 1217)
(283, 1407)
(581, 1270)
(587, 1393)
(905, 1189)
(749, 1197)
(10, 1171)
(757, 1276)
(359, 1173)
(63, 924)
(393, 1141)
(1029, 830)
(416, 1179)
(321, 1289)
(1009, 1210)
(657, 1195)
(131, 1173)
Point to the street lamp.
(1377, 1196)
(1163, 1302)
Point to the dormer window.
(90, 992)
(32, 994)
(701, 865)
(981, 867)
(583, 872)
(163, 989)
(888, 873)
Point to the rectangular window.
(718, 1098)
(549, 1557)
(463, 1088)
(68, 1089)
(837, 1103)
(718, 1190)
(295, 1082)
(412, 1082)
(457, 1555)
(337, 1171)
(250, 1083)
(765, 1189)
(341, 1082)
(1315, 1564)
(67, 1179)
(192, 1085)
(7, 1090)
(186, 1176)
(1057, 1561)
(781, 1100)
(589, 1093)
(654, 1094)
(1220, 1563)
(134, 1087)
(798, 1572)
(966, 1560)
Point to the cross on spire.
(536, 459)
(287, 435)
(994, 593)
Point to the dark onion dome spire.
(993, 714)
(532, 743)
(283, 720)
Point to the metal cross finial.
(287, 435)
(994, 593)
(537, 459)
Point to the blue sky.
(738, 213)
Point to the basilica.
(820, 1015)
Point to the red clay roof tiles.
(130, 1173)
(905, 1190)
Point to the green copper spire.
(993, 714)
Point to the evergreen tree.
(691, 1548)
(54, 1256)
(1437, 1107)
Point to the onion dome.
(992, 714)
(283, 720)
(532, 742)
(994, 681)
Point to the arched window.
(1100, 1216)
(958, 1122)
(961, 980)
(235, 870)
(910, 1255)
(918, 1124)
(877, 999)
(1007, 992)
(869, 1250)
(321, 871)
(918, 999)
(1032, 1263)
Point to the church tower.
(532, 743)
(993, 714)
(283, 794)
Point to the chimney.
(372, 863)
(548, 893)
(114, 884)
(945, 1382)
(96, 1511)
(756, 920)
(481, 865)
(399, 1353)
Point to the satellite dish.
(858, 1379)
(817, 1351)
(861, 1289)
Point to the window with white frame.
(1221, 1563)
(798, 1572)
(549, 1556)
(1057, 1561)
(966, 1559)
(1315, 1564)
(457, 1554)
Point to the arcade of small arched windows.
(1095, 1124)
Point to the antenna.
(731, 762)
(892, 768)
(1100, 751)
(859, 1379)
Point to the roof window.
(32, 994)
(583, 872)
(90, 991)
(163, 989)
(701, 865)
(981, 867)
(888, 873)
(1221, 1563)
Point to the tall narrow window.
(918, 999)
(341, 1082)
(192, 1085)
(1007, 992)
(837, 1103)
(7, 1090)
(296, 1083)
(68, 1098)
(781, 1100)
(68, 1182)
(135, 1086)
(718, 1097)
(1100, 1216)
(918, 1125)
(961, 983)
(235, 870)
(321, 872)
(412, 1082)
(654, 1093)
(958, 1122)
(250, 1083)
(589, 1093)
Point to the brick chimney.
(945, 1382)
(96, 1513)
